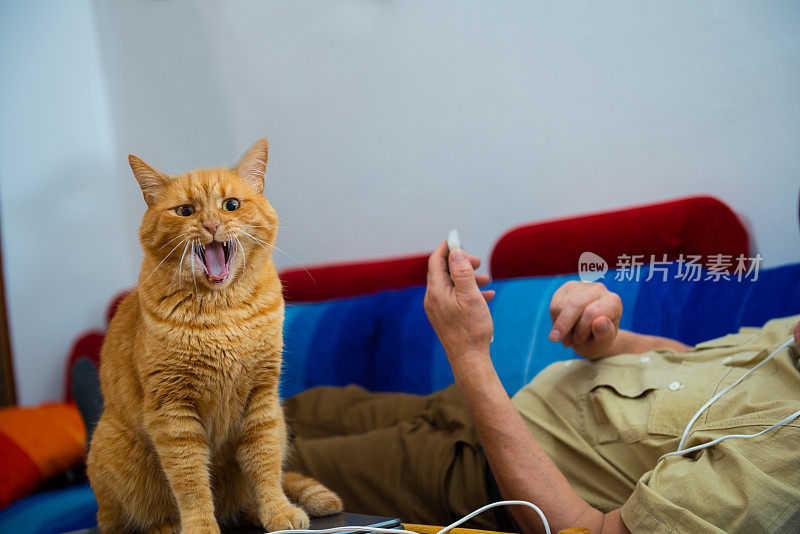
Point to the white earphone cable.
(724, 391)
(441, 531)
(713, 399)
(792, 417)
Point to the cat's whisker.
(258, 241)
(174, 278)
(162, 261)
(294, 260)
(234, 249)
(231, 247)
(171, 240)
(180, 265)
(282, 252)
(177, 277)
(194, 274)
(176, 273)
(253, 237)
(244, 256)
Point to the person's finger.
(583, 328)
(488, 294)
(608, 305)
(437, 267)
(577, 296)
(565, 321)
(614, 307)
(461, 273)
(603, 329)
(482, 279)
(560, 298)
(475, 261)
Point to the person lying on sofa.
(583, 441)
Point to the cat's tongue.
(215, 259)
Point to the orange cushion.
(37, 444)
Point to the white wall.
(393, 121)
(63, 251)
(389, 121)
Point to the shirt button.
(645, 359)
(674, 386)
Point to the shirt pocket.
(618, 404)
(686, 388)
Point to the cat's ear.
(150, 180)
(253, 165)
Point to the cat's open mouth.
(215, 257)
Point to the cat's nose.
(211, 227)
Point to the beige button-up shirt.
(607, 423)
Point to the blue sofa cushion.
(384, 342)
(50, 512)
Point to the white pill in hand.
(453, 242)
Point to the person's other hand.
(456, 306)
(586, 318)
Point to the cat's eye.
(231, 204)
(185, 210)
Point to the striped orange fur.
(192, 431)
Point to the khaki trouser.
(394, 454)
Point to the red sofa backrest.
(323, 282)
(700, 225)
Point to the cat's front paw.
(288, 518)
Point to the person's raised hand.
(585, 317)
(456, 307)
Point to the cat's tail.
(311, 495)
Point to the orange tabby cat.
(192, 431)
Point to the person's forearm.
(521, 467)
(632, 343)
